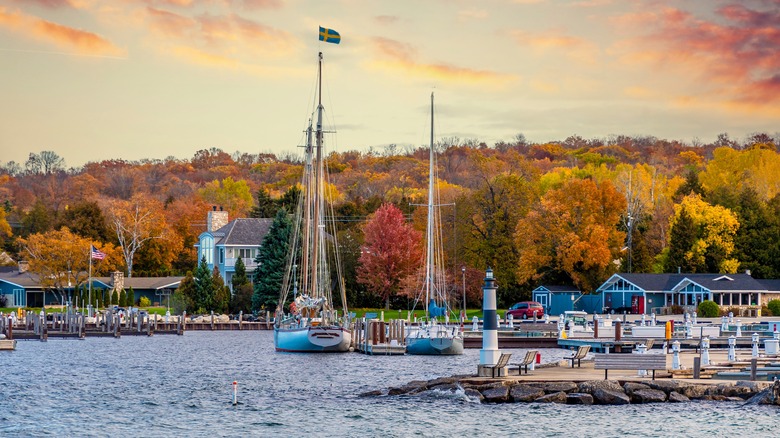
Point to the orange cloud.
(82, 41)
(574, 47)
(402, 56)
(735, 59)
(169, 23)
(386, 19)
(51, 4)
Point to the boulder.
(666, 386)
(630, 387)
(648, 396)
(412, 387)
(558, 397)
(374, 393)
(553, 387)
(496, 395)
(768, 396)
(610, 397)
(707, 397)
(525, 393)
(676, 397)
(589, 386)
(440, 381)
(449, 387)
(743, 392)
(579, 398)
(693, 391)
(474, 394)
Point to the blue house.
(223, 242)
(22, 288)
(650, 293)
(556, 299)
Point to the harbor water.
(169, 386)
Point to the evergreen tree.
(182, 299)
(115, 298)
(289, 200)
(756, 245)
(221, 293)
(130, 300)
(239, 277)
(265, 205)
(272, 261)
(203, 293)
(681, 239)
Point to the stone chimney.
(118, 280)
(23, 266)
(216, 219)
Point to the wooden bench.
(579, 355)
(529, 358)
(370, 315)
(503, 360)
(608, 362)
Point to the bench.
(502, 361)
(529, 358)
(370, 315)
(608, 362)
(579, 355)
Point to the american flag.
(97, 254)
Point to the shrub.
(708, 309)
(145, 302)
(774, 307)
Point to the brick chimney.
(216, 219)
(23, 266)
(118, 280)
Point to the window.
(245, 253)
(19, 298)
(207, 249)
(222, 256)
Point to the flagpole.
(89, 303)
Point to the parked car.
(526, 309)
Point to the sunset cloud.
(737, 57)
(574, 47)
(51, 4)
(82, 41)
(402, 56)
(386, 19)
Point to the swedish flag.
(329, 35)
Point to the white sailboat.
(434, 338)
(313, 325)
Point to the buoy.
(235, 393)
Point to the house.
(650, 293)
(223, 242)
(22, 288)
(556, 299)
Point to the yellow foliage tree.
(733, 170)
(713, 247)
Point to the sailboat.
(434, 338)
(312, 324)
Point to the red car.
(526, 309)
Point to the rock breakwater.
(589, 392)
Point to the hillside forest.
(564, 212)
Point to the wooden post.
(10, 329)
(212, 320)
(753, 365)
(696, 367)
(240, 319)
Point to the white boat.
(312, 324)
(7, 344)
(434, 338)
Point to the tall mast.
(307, 212)
(429, 231)
(317, 200)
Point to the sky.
(149, 79)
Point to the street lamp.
(463, 317)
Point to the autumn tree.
(487, 219)
(61, 259)
(392, 252)
(135, 222)
(234, 196)
(271, 262)
(572, 233)
(706, 242)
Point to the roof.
(243, 232)
(771, 285)
(558, 289)
(669, 282)
(27, 280)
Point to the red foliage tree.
(392, 252)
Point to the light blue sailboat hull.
(312, 339)
(435, 346)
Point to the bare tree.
(135, 222)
